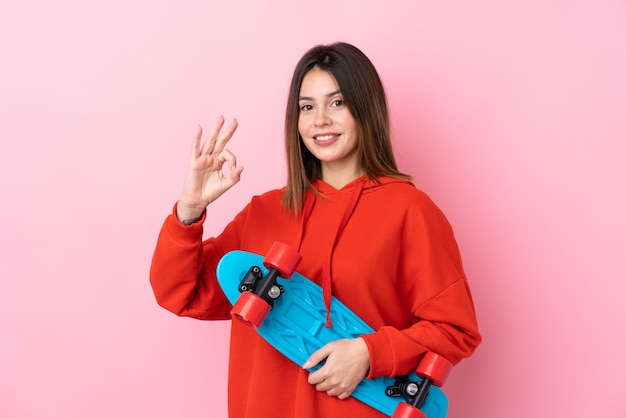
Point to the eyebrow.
(331, 94)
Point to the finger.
(330, 391)
(339, 392)
(225, 136)
(229, 157)
(233, 178)
(344, 395)
(334, 392)
(209, 144)
(317, 378)
(234, 174)
(195, 145)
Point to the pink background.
(511, 115)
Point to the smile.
(323, 138)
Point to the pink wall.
(511, 115)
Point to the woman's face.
(327, 127)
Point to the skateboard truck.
(433, 369)
(258, 291)
(269, 289)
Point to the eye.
(336, 103)
(304, 108)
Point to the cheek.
(355, 130)
(301, 126)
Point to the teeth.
(324, 137)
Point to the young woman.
(365, 233)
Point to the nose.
(321, 117)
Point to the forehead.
(318, 83)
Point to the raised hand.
(205, 180)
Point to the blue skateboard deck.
(296, 326)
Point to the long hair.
(363, 94)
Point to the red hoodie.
(394, 262)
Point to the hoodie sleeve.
(446, 327)
(182, 273)
(435, 291)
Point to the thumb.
(317, 357)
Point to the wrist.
(188, 222)
(188, 215)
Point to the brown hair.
(363, 93)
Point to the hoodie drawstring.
(309, 202)
(326, 270)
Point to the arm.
(182, 271)
(436, 295)
(445, 324)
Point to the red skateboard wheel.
(282, 258)
(250, 309)
(404, 410)
(434, 367)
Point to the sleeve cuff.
(185, 234)
(380, 365)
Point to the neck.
(339, 179)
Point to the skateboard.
(287, 310)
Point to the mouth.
(325, 138)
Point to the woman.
(365, 233)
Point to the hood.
(356, 188)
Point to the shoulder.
(275, 194)
(404, 199)
(270, 200)
(400, 191)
